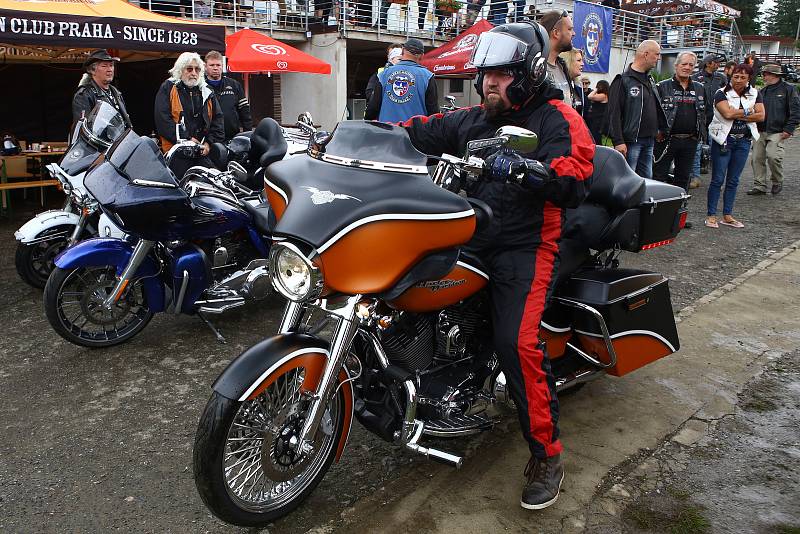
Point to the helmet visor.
(498, 50)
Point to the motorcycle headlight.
(293, 274)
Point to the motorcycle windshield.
(103, 125)
(138, 158)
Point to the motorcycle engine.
(409, 341)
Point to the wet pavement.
(101, 439)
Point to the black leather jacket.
(89, 93)
(666, 92)
(626, 101)
(782, 106)
(711, 83)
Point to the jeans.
(696, 164)
(681, 151)
(640, 156)
(726, 166)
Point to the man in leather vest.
(405, 89)
(230, 94)
(782, 106)
(96, 85)
(633, 110)
(684, 104)
(712, 80)
(528, 194)
(185, 96)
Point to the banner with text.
(593, 25)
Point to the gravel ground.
(101, 439)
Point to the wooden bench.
(24, 185)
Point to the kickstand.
(217, 333)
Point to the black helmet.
(522, 48)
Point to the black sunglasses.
(564, 14)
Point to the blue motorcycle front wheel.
(74, 305)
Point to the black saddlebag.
(636, 308)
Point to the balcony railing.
(437, 19)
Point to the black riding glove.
(507, 166)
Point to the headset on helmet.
(529, 65)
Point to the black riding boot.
(545, 476)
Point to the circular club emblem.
(634, 92)
(468, 41)
(282, 65)
(592, 32)
(270, 50)
(400, 84)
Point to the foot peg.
(433, 454)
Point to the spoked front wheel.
(74, 305)
(246, 467)
(34, 262)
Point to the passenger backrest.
(614, 184)
(267, 144)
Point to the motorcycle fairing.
(100, 251)
(248, 375)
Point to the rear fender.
(100, 251)
(253, 371)
(45, 221)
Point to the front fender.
(45, 221)
(247, 375)
(100, 251)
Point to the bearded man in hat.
(782, 106)
(96, 85)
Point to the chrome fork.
(138, 256)
(344, 309)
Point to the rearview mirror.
(180, 131)
(518, 139)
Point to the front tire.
(73, 304)
(245, 470)
(35, 262)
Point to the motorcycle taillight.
(659, 243)
(682, 219)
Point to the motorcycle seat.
(614, 184)
(267, 143)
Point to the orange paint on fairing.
(633, 351)
(314, 364)
(276, 201)
(424, 299)
(372, 258)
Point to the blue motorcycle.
(194, 246)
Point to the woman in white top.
(737, 108)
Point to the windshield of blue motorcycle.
(104, 124)
(138, 158)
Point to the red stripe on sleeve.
(578, 163)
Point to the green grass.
(788, 529)
(665, 514)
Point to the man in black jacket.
(393, 55)
(712, 80)
(96, 85)
(232, 100)
(185, 97)
(633, 110)
(684, 105)
(528, 194)
(782, 106)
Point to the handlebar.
(190, 149)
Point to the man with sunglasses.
(528, 194)
(560, 29)
(185, 96)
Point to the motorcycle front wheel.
(73, 303)
(35, 262)
(245, 467)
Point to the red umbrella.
(250, 51)
(453, 57)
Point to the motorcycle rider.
(96, 85)
(186, 96)
(521, 247)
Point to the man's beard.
(565, 47)
(191, 83)
(494, 105)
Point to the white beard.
(191, 83)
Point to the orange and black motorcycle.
(387, 317)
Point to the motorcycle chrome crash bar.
(138, 256)
(612, 354)
(412, 427)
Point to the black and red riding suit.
(521, 246)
